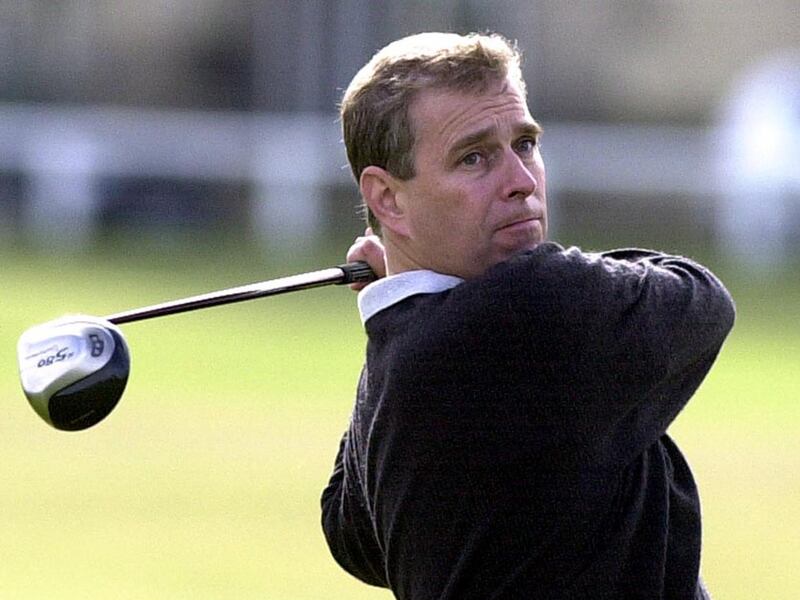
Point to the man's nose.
(520, 180)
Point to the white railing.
(288, 158)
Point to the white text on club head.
(56, 355)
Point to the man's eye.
(526, 145)
(471, 159)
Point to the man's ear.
(380, 191)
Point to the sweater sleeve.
(629, 335)
(664, 322)
(347, 525)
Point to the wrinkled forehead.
(444, 112)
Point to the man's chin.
(525, 246)
(510, 252)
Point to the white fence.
(288, 159)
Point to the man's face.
(478, 196)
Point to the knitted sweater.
(508, 439)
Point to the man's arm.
(620, 340)
(664, 323)
(346, 520)
(347, 525)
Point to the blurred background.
(155, 150)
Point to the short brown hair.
(375, 107)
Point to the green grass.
(204, 482)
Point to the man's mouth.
(521, 223)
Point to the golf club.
(74, 369)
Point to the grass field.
(204, 482)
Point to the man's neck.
(397, 259)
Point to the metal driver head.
(73, 370)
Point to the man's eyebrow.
(533, 128)
(471, 139)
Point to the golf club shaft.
(342, 274)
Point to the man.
(508, 439)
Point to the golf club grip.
(356, 272)
(342, 274)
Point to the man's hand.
(368, 248)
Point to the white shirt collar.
(387, 291)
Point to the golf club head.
(73, 370)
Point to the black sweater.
(509, 435)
